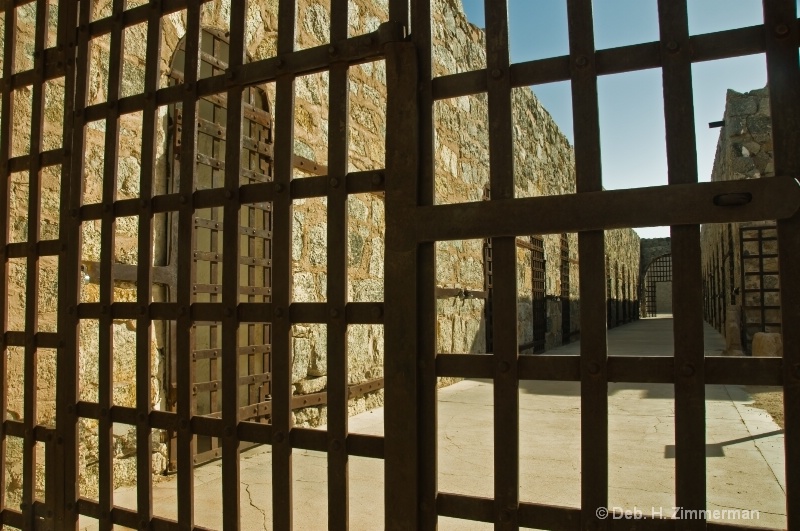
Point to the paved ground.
(745, 451)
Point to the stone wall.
(544, 165)
(744, 151)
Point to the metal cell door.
(416, 222)
(761, 301)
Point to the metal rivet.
(581, 60)
(228, 194)
(672, 46)
(279, 437)
(230, 431)
(332, 50)
(142, 310)
(336, 445)
(228, 312)
(278, 187)
(377, 178)
(142, 417)
(182, 310)
(103, 412)
(334, 182)
(781, 30)
(334, 313)
(104, 308)
(497, 73)
(143, 203)
(182, 199)
(278, 312)
(687, 370)
(376, 311)
(594, 368)
(188, 87)
(504, 366)
(230, 73)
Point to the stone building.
(741, 281)
(549, 308)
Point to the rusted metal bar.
(427, 437)
(591, 248)
(706, 47)
(400, 290)
(781, 32)
(338, 151)
(105, 426)
(690, 462)
(282, 277)
(31, 317)
(6, 133)
(504, 268)
(184, 339)
(679, 204)
(231, 275)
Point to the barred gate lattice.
(413, 224)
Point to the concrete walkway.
(745, 462)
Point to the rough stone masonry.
(544, 165)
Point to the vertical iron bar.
(687, 306)
(592, 268)
(426, 274)
(66, 386)
(282, 277)
(781, 30)
(32, 277)
(184, 340)
(6, 132)
(32, 271)
(338, 147)
(107, 252)
(230, 275)
(72, 185)
(504, 261)
(144, 273)
(401, 290)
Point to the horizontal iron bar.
(623, 369)
(772, 198)
(706, 47)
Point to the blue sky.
(631, 109)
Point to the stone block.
(767, 344)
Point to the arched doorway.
(656, 287)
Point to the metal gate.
(535, 245)
(414, 223)
(760, 281)
(660, 270)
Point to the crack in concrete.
(256, 507)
